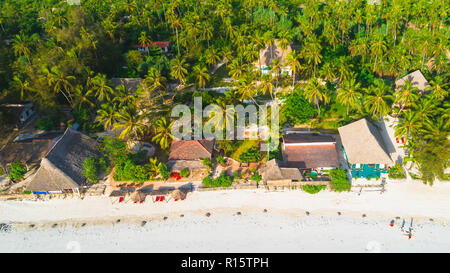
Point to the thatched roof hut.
(272, 52)
(159, 192)
(118, 193)
(417, 79)
(62, 167)
(363, 144)
(272, 172)
(138, 196)
(178, 194)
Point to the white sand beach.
(335, 222)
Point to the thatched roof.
(272, 171)
(131, 84)
(178, 194)
(417, 78)
(159, 192)
(117, 193)
(138, 196)
(363, 143)
(270, 53)
(29, 152)
(62, 167)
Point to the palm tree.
(124, 97)
(267, 85)
(292, 60)
(201, 74)
(154, 80)
(101, 88)
(316, 92)
(438, 88)
(130, 120)
(407, 95)
(178, 69)
(107, 115)
(376, 100)
(21, 45)
(163, 133)
(82, 97)
(60, 82)
(22, 85)
(408, 124)
(237, 70)
(348, 95)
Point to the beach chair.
(403, 140)
(142, 201)
(396, 139)
(161, 199)
(121, 199)
(157, 198)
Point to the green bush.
(251, 155)
(26, 192)
(47, 124)
(185, 172)
(17, 170)
(256, 177)
(222, 181)
(92, 167)
(164, 171)
(396, 172)
(313, 189)
(297, 109)
(207, 163)
(2, 172)
(220, 160)
(339, 180)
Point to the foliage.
(185, 172)
(221, 181)
(207, 163)
(313, 189)
(297, 109)
(220, 160)
(92, 167)
(17, 170)
(339, 180)
(47, 124)
(396, 172)
(255, 177)
(164, 171)
(251, 155)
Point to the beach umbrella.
(177, 194)
(137, 196)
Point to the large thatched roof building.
(364, 149)
(62, 168)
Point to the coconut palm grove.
(122, 65)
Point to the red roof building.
(309, 151)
